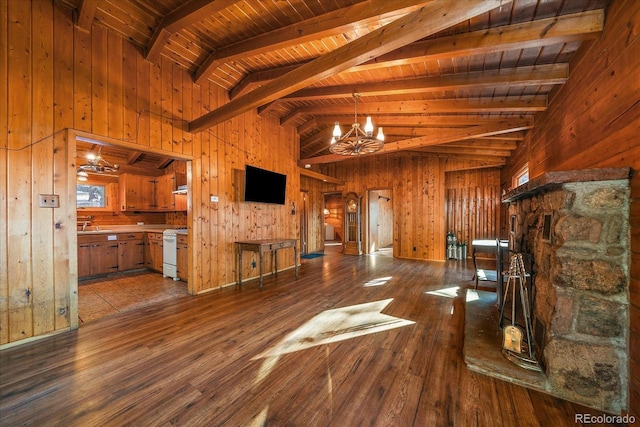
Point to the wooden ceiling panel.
(245, 46)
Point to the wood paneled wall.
(57, 77)
(417, 184)
(473, 204)
(594, 121)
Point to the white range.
(170, 252)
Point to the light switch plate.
(48, 200)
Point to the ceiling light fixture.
(97, 165)
(356, 141)
(82, 175)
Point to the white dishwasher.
(170, 253)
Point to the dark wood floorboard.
(192, 360)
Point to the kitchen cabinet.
(180, 202)
(130, 251)
(164, 187)
(97, 255)
(137, 192)
(153, 251)
(182, 257)
(147, 193)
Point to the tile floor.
(101, 297)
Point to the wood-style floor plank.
(192, 360)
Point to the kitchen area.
(132, 229)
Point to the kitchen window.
(90, 196)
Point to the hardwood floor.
(353, 341)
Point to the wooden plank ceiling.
(453, 78)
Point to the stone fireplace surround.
(581, 267)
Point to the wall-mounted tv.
(264, 186)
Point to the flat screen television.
(264, 186)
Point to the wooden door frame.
(324, 206)
(193, 167)
(367, 221)
(304, 221)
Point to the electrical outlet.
(48, 200)
(214, 199)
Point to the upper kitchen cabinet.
(137, 192)
(163, 191)
(148, 193)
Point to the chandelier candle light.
(96, 165)
(356, 141)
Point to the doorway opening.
(304, 223)
(380, 221)
(333, 220)
(119, 234)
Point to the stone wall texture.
(581, 272)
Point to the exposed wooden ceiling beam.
(551, 74)
(134, 157)
(515, 136)
(540, 33)
(316, 175)
(434, 17)
(320, 142)
(481, 143)
(252, 80)
(322, 138)
(444, 149)
(535, 34)
(328, 24)
(317, 150)
(413, 121)
(86, 14)
(504, 105)
(464, 162)
(311, 124)
(443, 136)
(164, 162)
(183, 16)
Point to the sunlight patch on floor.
(446, 292)
(332, 326)
(378, 282)
(482, 275)
(472, 295)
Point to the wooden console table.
(263, 246)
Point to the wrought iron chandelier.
(356, 141)
(96, 164)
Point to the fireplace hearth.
(575, 224)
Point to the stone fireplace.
(576, 226)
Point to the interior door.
(374, 221)
(304, 223)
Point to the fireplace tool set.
(517, 345)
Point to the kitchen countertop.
(113, 229)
